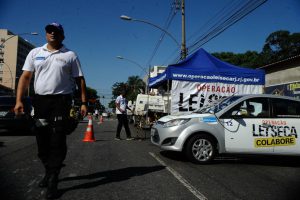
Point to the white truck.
(148, 108)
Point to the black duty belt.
(53, 96)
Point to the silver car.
(249, 124)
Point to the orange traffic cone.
(89, 133)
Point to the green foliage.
(245, 60)
(93, 100)
(133, 87)
(117, 88)
(278, 46)
(91, 93)
(111, 104)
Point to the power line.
(217, 18)
(172, 13)
(229, 21)
(235, 17)
(224, 21)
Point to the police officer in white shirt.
(121, 111)
(56, 69)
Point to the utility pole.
(148, 93)
(183, 45)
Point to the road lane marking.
(191, 188)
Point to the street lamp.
(140, 66)
(124, 17)
(30, 33)
(2, 52)
(182, 46)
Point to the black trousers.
(123, 121)
(50, 137)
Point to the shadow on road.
(108, 177)
(16, 133)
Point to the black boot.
(44, 182)
(52, 192)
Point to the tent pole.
(168, 88)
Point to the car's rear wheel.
(201, 149)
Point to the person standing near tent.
(96, 113)
(55, 69)
(121, 111)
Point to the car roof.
(268, 96)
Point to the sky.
(94, 30)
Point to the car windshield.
(218, 105)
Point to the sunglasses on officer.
(53, 30)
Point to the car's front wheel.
(200, 149)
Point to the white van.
(154, 103)
(246, 124)
(148, 108)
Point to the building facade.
(156, 70)
(13, 52)
(283, 77)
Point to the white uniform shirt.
(123, 104)
(54, 71)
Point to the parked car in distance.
(104, 114)
(8, 120)
(244, 124)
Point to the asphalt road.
(109, 169)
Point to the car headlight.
(175, 122)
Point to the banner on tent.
(190, 96)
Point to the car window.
(284, 108)
(250, 108)
(261, 107)
(217, 105)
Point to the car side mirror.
(243, 112)
(238, 113)
(235, 113)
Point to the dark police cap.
(55, 27)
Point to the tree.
(244, 59)
(117, 88)
(280, 45)
(92, 98)
(295, 44)
(133, 86)
(275, 46)
(91, 93)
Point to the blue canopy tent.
(203, 67)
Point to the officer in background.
(55, 69)
(121, 111)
